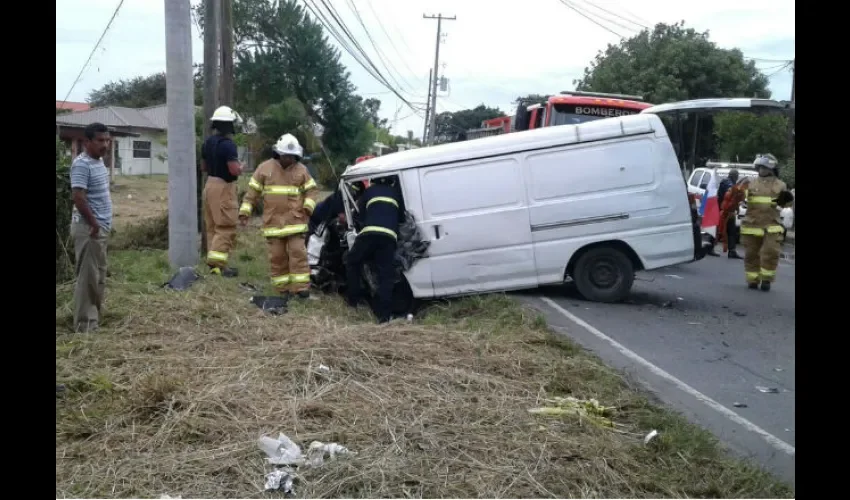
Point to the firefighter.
(289, 198)
(380, 210)
(761, 230)
(220, 160)
(730, 194)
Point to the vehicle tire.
(604, 274)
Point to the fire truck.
(567, 108)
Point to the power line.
(627, 28)
(96, 45)
(784, 67)
(574, 9)
(401, 57)
(387, 65)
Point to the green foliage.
(148, 234)
(64, 251)
(282, 53)
(673, 63)
(450, 124)
(741, 136)
(139, 92)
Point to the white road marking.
(726, 412)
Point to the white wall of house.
(143, 155)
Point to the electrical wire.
(616, 15)
(784, 67)
(361, 57)
(91, 54)
(387, 64)
(400, 56)
(577, 11)
(611, 21)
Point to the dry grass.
(139, 197)
(172, 395)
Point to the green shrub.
(150, 233)
(64, 248)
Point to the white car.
(699, 179)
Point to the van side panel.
(627, 189)
(476, 216)
(418, 276)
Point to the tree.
(139, 92)
(673, 63)
(282, 53)
(741, 136)
(451, 124)
(373, 106)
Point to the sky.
(491, 53)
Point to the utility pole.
(182, 189)
(427, 110)
(226, 86)
(792, 123)
(211, 24)
(433, 115)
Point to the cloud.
(493, 52)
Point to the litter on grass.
(182, 279)
(286, 456)
(649, 437)
(589, 409)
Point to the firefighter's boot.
(734, 255)
(765, 286)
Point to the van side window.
(706, 178)
(461, 189)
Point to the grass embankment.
(172, 394)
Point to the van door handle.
(437, 232)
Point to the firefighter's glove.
(784, 198)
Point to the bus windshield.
(572, 114)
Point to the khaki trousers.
(288, 263)
(762, 256)
(221, 214)
(90, 269)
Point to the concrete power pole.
(793, 121)
(427, 109)
(435, 76)
(211, 42)
(182, 188)
(226, 86)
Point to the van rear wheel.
(604, 274)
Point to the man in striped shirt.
(91, 221)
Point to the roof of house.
(153, 117)
(73, 106)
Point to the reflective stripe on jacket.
(288, 194)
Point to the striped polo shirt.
(91, 175)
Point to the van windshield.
(573, 114)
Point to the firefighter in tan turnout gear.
(761, 229)
(289, 198)
(220, 160)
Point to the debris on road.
(589, 409)
(649, 437)
(674, 276)
(740, 314)
(767, 390)
(739, 405)
(777, 369)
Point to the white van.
(594, 202)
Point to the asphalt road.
(704, 344)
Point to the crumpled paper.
(286, 456)
(588, 409)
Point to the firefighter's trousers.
(762, 256)
(380, 249)
(221, 215)
(290, 270)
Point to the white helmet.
(767, 161)
(288, 145)
(226, 114)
